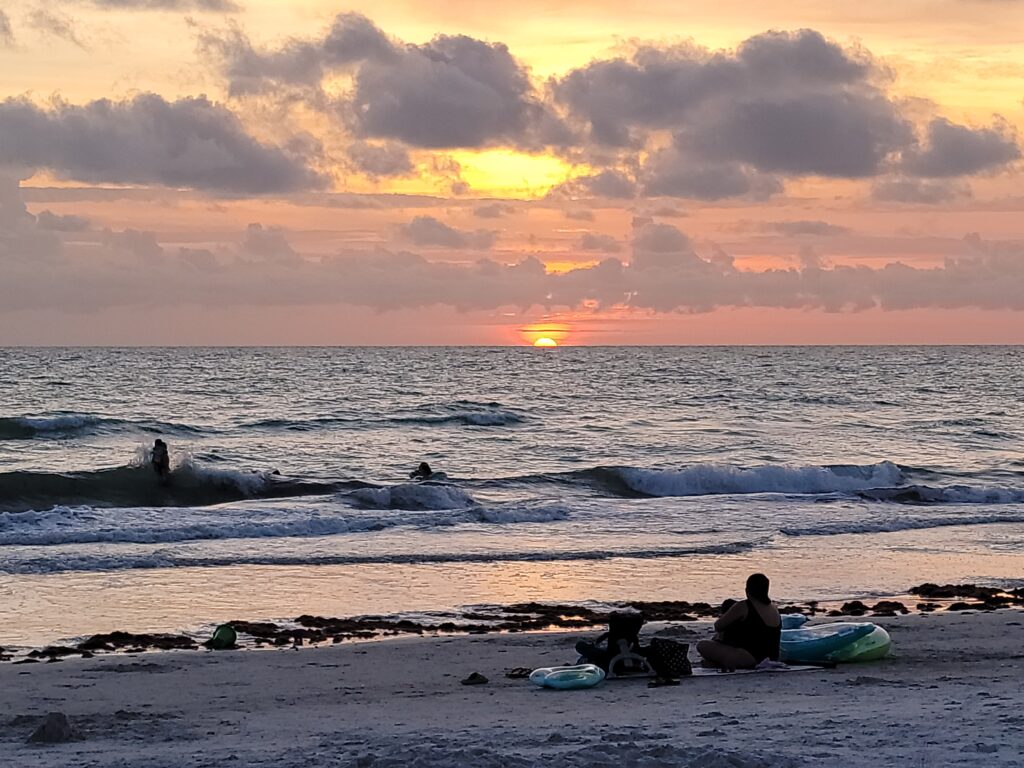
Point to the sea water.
(573, 474)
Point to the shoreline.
(314, 631)
(949, 694)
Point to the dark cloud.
(426, 230)
(806, 55)
(493, 210)
(454, 91)
(841, 134)
(353, 38)
(380, 159)
(298, 63)
(918, 191)
(791, 103)
(54, 222)
(956, 150)
(609, 183)
(249, 71)
(592, 241)
(191, 142)
(670, 173)
(6, 31)
(663, 87)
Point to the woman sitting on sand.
(748, 632)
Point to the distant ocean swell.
(190, 484)
(463, 413)
(63, 425)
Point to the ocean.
(573, 474)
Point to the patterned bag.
(669, 658)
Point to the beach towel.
(773, 668)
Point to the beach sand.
(952, 693)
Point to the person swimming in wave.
(160, 458)
(422, 472)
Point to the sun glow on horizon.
(544, 334)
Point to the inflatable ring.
(568, 678)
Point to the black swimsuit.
(754, 636)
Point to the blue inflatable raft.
(839, 642)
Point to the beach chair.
(618, 650)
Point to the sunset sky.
(667, 172)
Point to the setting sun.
(544, 341)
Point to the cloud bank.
(665, 273)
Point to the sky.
(207, 172)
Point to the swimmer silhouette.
(422, 472)
(160, 459)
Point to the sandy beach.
(950, 694)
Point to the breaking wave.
(188, 485)
(414, 496)
(464, 413)
(708, 479)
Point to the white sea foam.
(414, 496)
(523, 513)
(249, 483)
(706, 479)
(87, 525)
